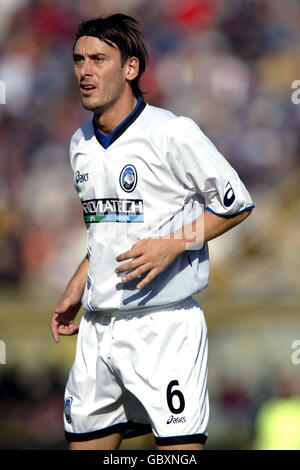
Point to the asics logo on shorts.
(174, 420)
(68, 403)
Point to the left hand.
(150, 254)
(63, 315)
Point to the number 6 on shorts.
(178, 394)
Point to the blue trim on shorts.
(177, 440)
(128, 430)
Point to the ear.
(132, 68)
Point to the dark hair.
(124, 32)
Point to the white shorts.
(139, 372)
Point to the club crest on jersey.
(68, 403)
(128, 178)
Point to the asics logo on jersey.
(229, 195)
(128, 178)
(81, 177)
(174, 420)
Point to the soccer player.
(154, 191)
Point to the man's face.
(100, 75)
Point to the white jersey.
(155, 173)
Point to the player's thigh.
(111, 442)
(195, 446)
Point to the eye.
(98, 59)
(77, 59)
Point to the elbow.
(243, 216)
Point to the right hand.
(63, 316)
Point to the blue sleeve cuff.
(231, 215)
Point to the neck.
(107, 120)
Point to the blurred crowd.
(228, 64)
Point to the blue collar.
(107, 140)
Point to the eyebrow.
(95, 55)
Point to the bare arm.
(70, 303)
(214, 226)
(156, 254)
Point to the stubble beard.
(106, 99)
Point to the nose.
(86, 70)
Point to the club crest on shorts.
(128, 178)
(67, 407)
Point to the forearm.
(62, 322)
(215, 226)
(77, 283)
(207, 227)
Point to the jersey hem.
(128, 430)
(230, 215)
(173, 440)
(178, 304)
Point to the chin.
(97, 108)
(89, 105)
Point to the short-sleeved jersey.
(156, 173)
